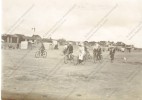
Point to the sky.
(78, 20)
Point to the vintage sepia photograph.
(71, 50)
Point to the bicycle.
(100, 58)
(83, 61)
(40, 54)
(87, 58)
(69, 58)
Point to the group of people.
(97, 52)
(68, 50)
(83, 50)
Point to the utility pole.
(34, 30)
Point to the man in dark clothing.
(42, 49)
(70, 50)
(94, 54)
(99, 53)
(112, 52)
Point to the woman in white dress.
(81, 52)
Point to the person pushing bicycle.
(69, 50)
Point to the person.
(112, 53)
(42, 48)
(86, 51)
(95, 52)
(81, 52)
(70, 50)
(99, 53)
(55, 44)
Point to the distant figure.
(70, 50)
(17, 46)
(112, 53)
(42, 49)
(70, 47)
(55, 43)
(99, 53)
(95, 52)
(87, 53)
(65, 48)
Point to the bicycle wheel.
(37, 54)
(66, 59)
(44, 54)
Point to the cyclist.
(42, 49)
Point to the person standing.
(112, 53)
(99, 53)
(81, 52)
(70, 50)
(65, 48)
(95, 53)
